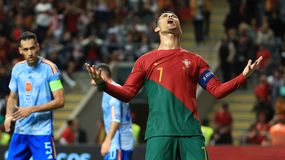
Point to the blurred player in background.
(170, 75)
(119, 141)
(36, 90)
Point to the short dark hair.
(106, 68)
(28, 35)
(157, 18)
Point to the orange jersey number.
(160, 73)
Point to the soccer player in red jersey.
(170, 75)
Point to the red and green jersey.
(170, 78)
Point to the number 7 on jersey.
(160, 69)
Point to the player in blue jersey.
(119, 141)
(36, 90)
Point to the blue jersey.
(117, 111)
(32, 84)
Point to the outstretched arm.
(220, 90)
(126, 92)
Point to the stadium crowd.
(72, 32)
(256, 28)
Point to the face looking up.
(168, 22)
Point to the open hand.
(251, 67)
(94, 74)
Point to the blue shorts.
(119, 155)
(38, 146)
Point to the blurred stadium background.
(117, 32)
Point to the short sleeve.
(54, 79)
(13, 81)
(115, 110)
(54, 74)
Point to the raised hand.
(251, 67)
(94, 74)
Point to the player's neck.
(169, 41)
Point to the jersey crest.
(28, 86)
(186, 63)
